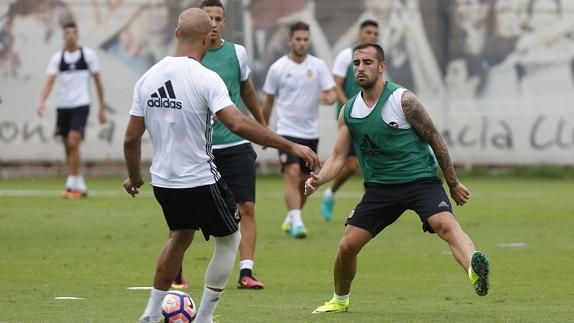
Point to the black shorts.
(210, 208)
(72, 119)
(237, 168)
(285, 158)
(383, 204)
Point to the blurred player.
(234, 156)
(392, 132)
(73, 66)
(346, 87)
(176, 100)
(300, 82)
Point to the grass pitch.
(95, 248)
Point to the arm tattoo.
(421, 122)
(246, 89)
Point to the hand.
(459, 193)
(41, 109)
(132, 186)
(102, 115)
(310, 157)
(312, 184)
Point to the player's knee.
(445, 226)
(348, 248)
(229, 242)
(247, 209)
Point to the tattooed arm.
(421, 122)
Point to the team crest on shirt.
(309, 74)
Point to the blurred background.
(496, 75)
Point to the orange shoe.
(183, 284)
(72, 195)
(248, 282)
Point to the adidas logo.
(443, 204)
(164, 98)
(369, 148)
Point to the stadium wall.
(496, 75)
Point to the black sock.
(245, 272)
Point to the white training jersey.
(241, 54)
(392, 112)
(297, 88)
(73, 85)
(342, 62)
(178, 98)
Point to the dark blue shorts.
(383, 204)
(210, 208)
(72, 119)
(286, 159)
(236, 165)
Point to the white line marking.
(140, 288)
(512, 245)
(63, 298)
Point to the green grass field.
(97, 247)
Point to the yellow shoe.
(478, 273)
(333, 306)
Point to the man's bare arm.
(268, 107)
(339, 89)
(249, 97)
(421, 121)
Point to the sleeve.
(53, 67)
(137, 109)
(270, 86)
(327, 81)
(242, 58)
(217, 93)
(341, 64)
(92, 60)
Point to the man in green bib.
(346, 87)
(391, 133)
(233, 155)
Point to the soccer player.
(73, 66)
(300, 82)
(176, 100)
(234, 156)
(392, 132)
(346, 87)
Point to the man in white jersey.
(300, 82)
(74, 66)
(393, 136)
(176, 101)
(346, 87)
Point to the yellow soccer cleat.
(333, 306)
(478, 273)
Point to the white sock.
(343, 298)
(80, 184)
(207, 306)
(246, 264)
(295, 217)
(328, 192)
(70, 182)
(153, 308)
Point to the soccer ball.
(177, 307)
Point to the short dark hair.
(369, 23)
(377, 47)
(299, 25)
(211, 3)
(70, 24)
